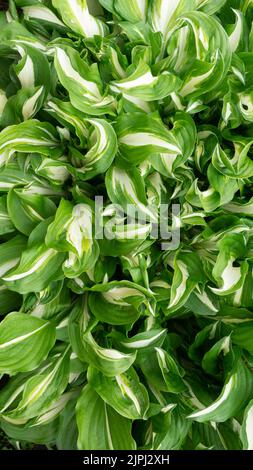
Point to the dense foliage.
(124, 341)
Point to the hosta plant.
(125, 325)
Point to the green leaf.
(9, 301)
(242, 335)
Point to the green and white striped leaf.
(210, 7)
(184, 132)
(122, 124)
(240, 166)
(142, 84)
(230, 277)
(23, 106)
(42, 390)
(38, 266)
(29, 136)
(24, 342)
(246, 429)
(3, 101)
(126, 188)
(67, 420)
(10, 253)
(171, 371)
(175, 435)
(123, 238)
(16, 173)
(240, 207)
(42, 429)
(84, 249)
(118, 303)
(221, 351)
(131, 10)
(208, 69)
(38, 434)
(33, 69)
(42, 14)
(118, 61)
(14, 34)
(55, 171)
(102, 148)
(69, 116)
(235, 394)
(164, 14)
(13, 390)
(141, 136)
(124, 392)
(141, 342)
(80, 322)
(99, 425)
(82, 82)
(6, 225)
(221, 191)
(237, 36)
(203, 302)
(76, 15)
(188, 272)
(57, 232)
(109, 361)
(54, 410)
(28, 210)
(71, 232)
